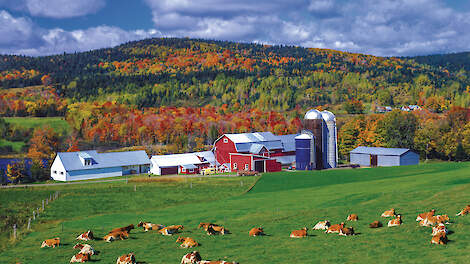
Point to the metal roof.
(256, 148)
(189, 166)
(71, 160)
(313, 114)
(380, 151)
(288, 142)
(285, 160)
(173, 160)
(252, 137)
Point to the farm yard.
(279, 202)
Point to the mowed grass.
(280, 202)
(16, 145)
(57, 123)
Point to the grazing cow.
(187, 242)
(149, 226)
(440, 228)
(335, 228)
(191, 258)
(395, 222)
(423, 216)
(215, 230)
(464, 211)
(389, 213)
(375, 224)
(117, 235)
(322, 225)
(121, 229)
(88, 235)
(439, 239)
(299, 233)
(85, 249)
(352, 217)
(80, 258)
(256, 231)
(346, 231)
(53, 242)
(126, 259)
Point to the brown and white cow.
(375, 224)
(85, 249)
(116, 235)
(423, 216)
(439, 239)
(216, 262)
(440, 228)
(256, 231)
(206, 225)
(442, 219)
(147, 226)
(216, 230)
(346, 231)
(389, 213)
(191, 258)
(122, 229)
(352, 217)
(170, 230)
(335, 228)
(126, 259)
(88, 235)
(80, 258)
(187, 242)
(395, 222)
(322, 225)
(464, 211)
(299, 233)
(53, 242)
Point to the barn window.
(234, 166)
(191, 170)
(61, 173)
(183, 170)
(225, 140)
(55, 172)
(246, 166)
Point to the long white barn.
(84, 165)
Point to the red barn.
(260, 151)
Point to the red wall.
(222, 150)
(241, 160)
(273, 166)
(195, 171)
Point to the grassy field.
(280, 202)
(57, 123)
(16, 145)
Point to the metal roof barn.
(375, 156)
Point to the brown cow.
(256, 231)
(187, 242)
(191, 258)
(126, 259)
(352, 217)
(80, 258)
(53, 242)
(375, 224)
(346, 231)
(440, 228)
(149, 226)
(464, 211)
(395, 222)
(423, 216)
(299, 233)
(206, 225)
(121, 229)
(88, 235)
(335, 228)
(215, 230)
(389, 213)
(322, 225)
(116, 235)
(170, 230)
(439, 239)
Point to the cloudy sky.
(378, 27)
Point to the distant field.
(280, 202)
(57, 123)
(16, 145)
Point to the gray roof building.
(376, 156)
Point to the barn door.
(373, 160)
(259, 165)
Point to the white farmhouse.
(84, 165)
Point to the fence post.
(37, 212)
(29, 223)
(14, 231)
(47, 201)
(241, 183)
(43, 205)
(34, 215)
(135, 188)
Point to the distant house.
(372, 156)
(84, 165)
(187, 163)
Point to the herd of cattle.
(428, 219)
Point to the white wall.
(57, 167)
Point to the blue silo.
(304, 152)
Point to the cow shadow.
(450, 232)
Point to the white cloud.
(55, 8)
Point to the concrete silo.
(330, 145)
(313, 121)
(304, 151)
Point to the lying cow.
(85, 249)
(187, 242)
(80, 258)
(375, 224)
(126, 259)
(389, 213)
(464, 211)
(116, 235)
(439, 239)
(335, 228)
(299, 233)
(352, 217)
(53, 242)
(216, 262)
(346, 231)
(322, 225)
(216, 230)
(170, 230)
(191, 258)
(205, 225)
(440, 228)
(88, 235)
(395, 222)
(256, 231)
(122, 229)
(147, 226)
(423, 216)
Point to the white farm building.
(84, 165)
(186, 163)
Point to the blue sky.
(378, 27)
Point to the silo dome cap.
(313, 114)
(328, 116)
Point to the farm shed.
(372, 156)
(186, 163)
(84, 165)
(251, 162)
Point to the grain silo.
(313, 121)
(330, 147)
(304, 151)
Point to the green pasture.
(57, 123)
(280, 202)
(16, 145)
